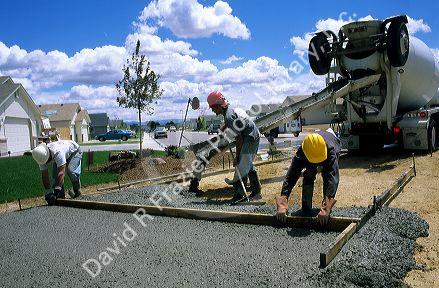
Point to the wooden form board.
(335, 223)
(384, 199)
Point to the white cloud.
(190, 19)
(263, 69)
(99, 65)
(231, 59)
(435, 53)
(414, 26)
(300, 43)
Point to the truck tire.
(320, 61)
(432, 136)
(398, 43)
(102, 139)
(124, 138)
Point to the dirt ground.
(362, 177)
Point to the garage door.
(17, 134)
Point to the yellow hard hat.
(314, 148)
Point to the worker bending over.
(66, 156)
(321, 148)
(247, 144)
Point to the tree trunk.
(140, 133)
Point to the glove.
(59, 192)
(50, 197)
(325, 211)
(282, 208)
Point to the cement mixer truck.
(402, 106)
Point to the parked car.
(172, 129)
(160, 132)
(213, 128)
(114, 135)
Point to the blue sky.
(190, 58)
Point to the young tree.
(139, 87)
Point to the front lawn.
(21, 177)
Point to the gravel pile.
(379, 255)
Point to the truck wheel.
(320, 61)
(101, 139)
(124, 138)
(432, 136)
(398, 43)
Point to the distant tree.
(151, 125)
(169, 124)
(139, 87)
(201, 123)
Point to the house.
(213, 119)
(69, 119)
(20, 119)
(100, 123)
(82, 126)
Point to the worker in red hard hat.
(321, 148)
(247, 138)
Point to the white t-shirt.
(61, 151)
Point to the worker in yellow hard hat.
(321, 148)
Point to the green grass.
(22, 177)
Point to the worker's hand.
(59, 192)
(50, 197)
(282, 208)
(325, 211)
(323, 217)
(222, 127)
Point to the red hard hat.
(216, 98)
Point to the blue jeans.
(73, 170)
(249, 150)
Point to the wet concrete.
(46, 246)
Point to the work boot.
(255, 185)
(325, 211)
(307, 193)
(239, 196)
(194, 187)
(74, 193)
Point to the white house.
(71, 121)
(20, 119)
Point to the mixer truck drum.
(319, 54)
(398, 44)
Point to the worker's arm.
(293, 173)
(45, 179)
(60, 175)
(330, 174)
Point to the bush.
(122, 155)
(174, 151)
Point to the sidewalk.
(150, 143)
